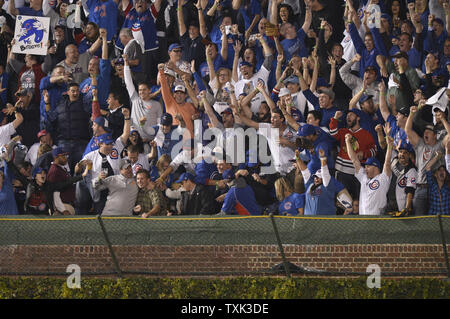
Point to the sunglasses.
(177, 51)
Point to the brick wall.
(237, 258)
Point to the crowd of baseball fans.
(225, 107)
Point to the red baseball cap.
(41, 133)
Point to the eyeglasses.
(177, 51)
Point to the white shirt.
(113, 159)
(407, 180)
(247, 86)
(5, 133)
(372, 198)
(280, 154)
(184, 158)
(142, 163)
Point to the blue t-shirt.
(397, 132)
(104, 14)
(241, 201)
(321, 200)
(295, 46)
(291, 204)
(27, 11)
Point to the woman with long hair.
(291, 203)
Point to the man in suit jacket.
(197, 199)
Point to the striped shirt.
(364, 143)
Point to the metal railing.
(34, 245)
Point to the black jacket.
(200, 202)
(70, 120)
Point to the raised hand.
(125, 112)
(103, 34)
(338, 115)
(356, 58)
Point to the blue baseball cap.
(175, 46)
(228, 110)
(166, 119)
(358, 113)
(291, 79)
(365, 98)
(322, 82)
(406, 146)
(372, 161)
(105, 138)
(245, 63)
(36, 171)
(58, 151)
(228, 174)
(185, 177)
(306, 130)
(103, 122)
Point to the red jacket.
(365, 143)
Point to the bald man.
(75, 64)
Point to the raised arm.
(440, 117)
(237, 49)
(201, 19)
(12, 8)
(189, 89)
(127, 78)
(274, 11)
(387, 170)
(289, 119)
(180, 16)
(224, 49)
(315, 75)
(249, 122)
(126, 126)
(261, 87)
(308, 19)
(351, 153)
(209, 111)
(383, 103)
(412, 136)
(354, 100)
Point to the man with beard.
(362, 143)
(405, 179)
(425, 147)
